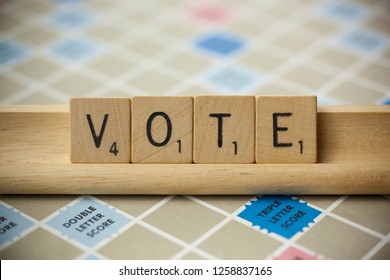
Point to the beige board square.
(319, 26)
(100, 130)
(40, 245)
(370, 211)
(37, 68)
(292, 43)
(337, 58)
(195, 91)
(224, 129)
(239, 242)
(9, 87)
(161, 129)
(7, 23)
(248, 28)
(381, 24)
(272, 90)
(184, 218)
(322, 201)
(386, 53)
(307, 77)
(38, 98)
(153, 83)
(334, 239)
(188, 63)
(262, 59)
(355, 94)
(138, 243)
(179, 30)
(192, 256)
(383, 253)
(377, 73)
(76, 85)
(286, 129)
(38, 206)
(124, 92)
(111, 65)
(146, 47)
(37, 36)
(134, 205)
(227, 203)
(106, 32)
(39, 7)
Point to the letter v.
(97, 138)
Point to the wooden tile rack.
(353, 158)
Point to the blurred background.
(51, 50)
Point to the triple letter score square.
(162, 129)
(100, 130)
(224, 129)
(286, 129)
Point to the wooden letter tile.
(286, 129)
(162, 129)
(100, 130)
(224, 129)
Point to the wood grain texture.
(286, 129)
(224, 129)
(353, 156)
(100, 130)
(171, 126)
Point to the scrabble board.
(53, 50)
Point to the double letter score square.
(202, 129)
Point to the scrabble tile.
(162, 129)
(286, 129)
(100, 130)
(224, 129)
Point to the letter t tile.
(224, 129)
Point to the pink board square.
(209, 13)
(293, 253)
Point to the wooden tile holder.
(353, 158)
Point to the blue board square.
(220, 44)
(75, 49)
(11, 52)
(71, 18)
(12, 224)
(282, 215)
(344, 11)
(363, 41)
(233, 79)
(387, 102)
(88, 222)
